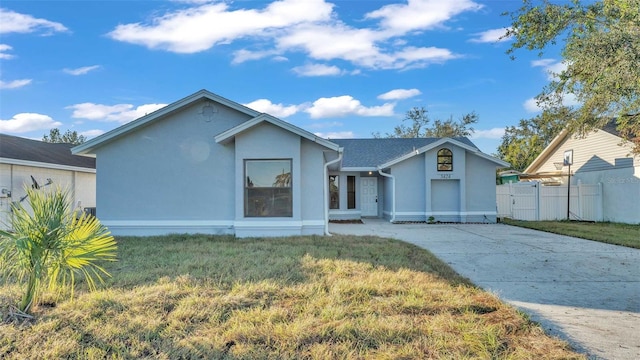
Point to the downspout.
(325, 189)
(393, 194)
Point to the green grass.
(337, 297)
(611, 233)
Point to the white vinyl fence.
(531, 201)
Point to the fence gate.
(525, 201)
(531, 201)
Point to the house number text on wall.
(445, 176)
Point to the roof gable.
(370, 154)
(88, 147)
(15, 149)
(609, 128)
(228, 135)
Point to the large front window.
(268, 188)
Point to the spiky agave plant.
(49, 245)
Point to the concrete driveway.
(585, 292)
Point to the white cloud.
(307, 26)
(81, 70)
(3, 49)
(317, 70)
(25, 122)
(13, 22)
(551, 67)
(277, 110)
(495, 133)
(420, 14)
(531, 105)
(189, 30)
(14, 84)
(491, 36)
(121, 113)
(243, 55)
(399, 94)
(92, 133)
(335, 135)
(346, 105)
(362, 47)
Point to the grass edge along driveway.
(340, 297)
(611, 233)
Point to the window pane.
(351, 192)
(268, 202)
(445, 160)
(334, 192)
(268, 173)
(268, 188)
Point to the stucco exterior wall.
(312, 175)
(170, 176)
(481, 190)
(410, 189)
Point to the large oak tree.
(601, 50)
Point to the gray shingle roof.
(13, 147)
(373, 152)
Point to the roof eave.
(435, 144)
(88, 147)
(228, 135)
(546, 152)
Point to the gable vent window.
(445, 160)
(268, 188)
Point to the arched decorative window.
(445, 160)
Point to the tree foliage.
(69, 137)
(521, 144)
(49, 245)
(602, 56)
(418, 120)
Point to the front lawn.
(341, 297)
(611, 233)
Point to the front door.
(369, 201)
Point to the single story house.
(26, 162)
(206, 164)
(600, 156)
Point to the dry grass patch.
(292, 298)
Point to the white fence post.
(580, 202)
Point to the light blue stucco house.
(205, 164)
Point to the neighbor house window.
(351, 192)
(268, 188)
(445, 160)
(334, 192)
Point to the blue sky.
(340, 69)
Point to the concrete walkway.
(585, 292)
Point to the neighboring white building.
(599, 157)
(23, 161)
